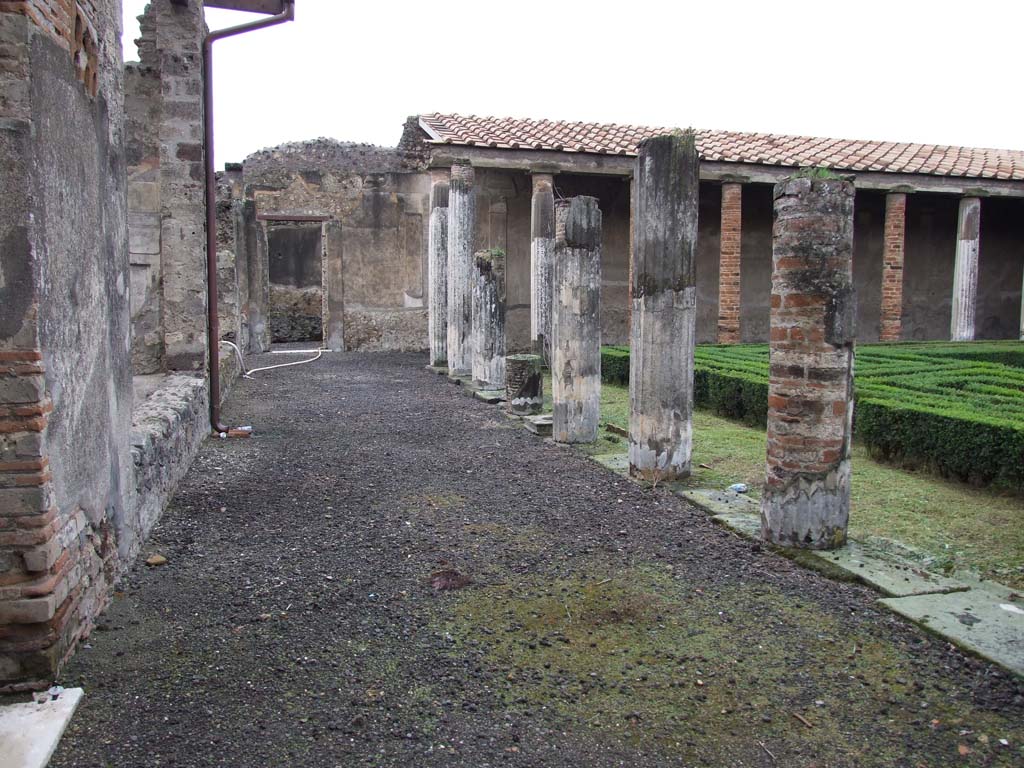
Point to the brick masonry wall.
(729, 264)
(806, 495)
(892, 266)
(65, 391)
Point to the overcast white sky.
(905, 70)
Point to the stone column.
(461, 226)
(729, 263)
(488, 332)
(806, 499)
(664, 307)
(965, 273)
(542, 247)
(576, 323)
(892, 266)
(524, 384)
(437, 294)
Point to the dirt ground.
(298, 622)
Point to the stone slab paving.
(490, 396)
(30, 731)
(986, 620)
(888, 573)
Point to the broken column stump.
(461, 221)
(524, 384)
(542, 247)
(576, 322)
(806, 500)
(488, 321)
(437, 277)
(664, 311)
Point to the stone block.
(16, 502)
(21, 389)
(41, 558)
(33, 610)
(143, 235)
(143, 196)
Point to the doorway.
(296, 298)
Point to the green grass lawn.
(956, 525)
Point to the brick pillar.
(461, 228)
(488, 333)
(576, 323)
(664, 308)
(892, 266)
(729, 263)
(806, 498)
(542, 247)
(965, 271)
(437, 278)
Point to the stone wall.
(168, 424)
(373, 203)
(166, 184)
(65, 373)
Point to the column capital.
(543, 169)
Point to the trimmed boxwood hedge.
(955, 408)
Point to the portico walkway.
(297, 621)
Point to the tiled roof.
(729, 146)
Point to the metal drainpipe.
(213, 321)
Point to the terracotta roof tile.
(730, 146)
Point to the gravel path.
(297, 622)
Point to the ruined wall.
(375, 202)
(65, 374)
(166, 183)
(142, 152)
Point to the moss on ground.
(638, 655)
(950, 524)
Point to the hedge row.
(957, 409)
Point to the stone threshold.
(30, 731)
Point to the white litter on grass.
(30, 732)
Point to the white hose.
(248, 373)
